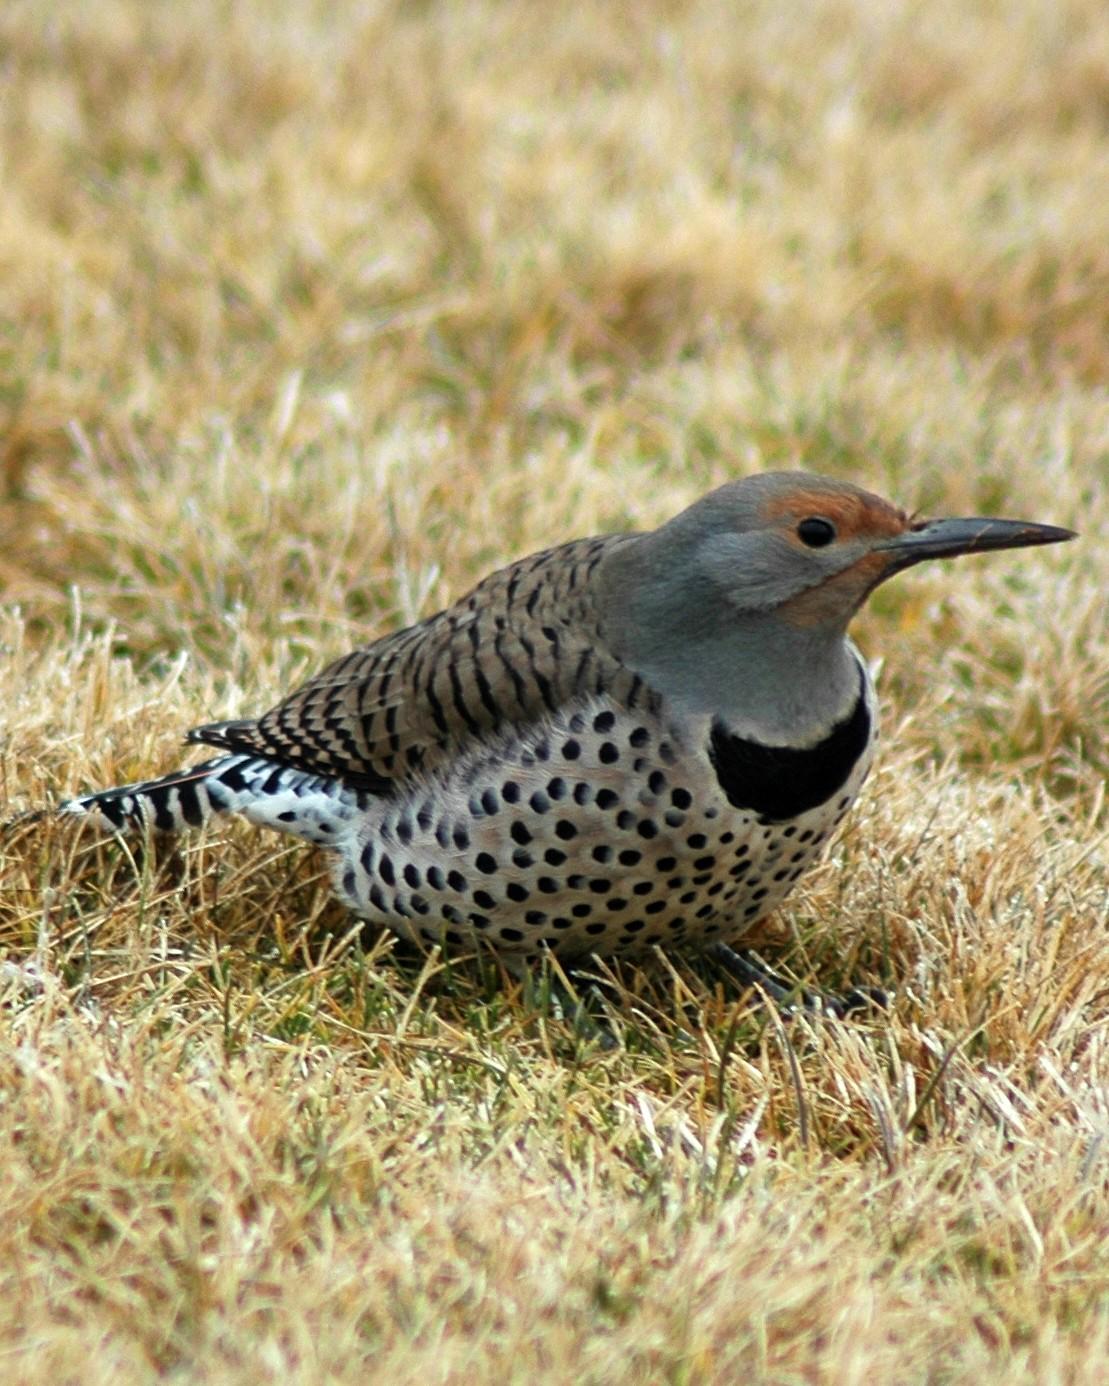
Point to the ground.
(311, 315)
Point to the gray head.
(766, 572)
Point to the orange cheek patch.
(839, 597)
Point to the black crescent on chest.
(781, 782)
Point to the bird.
(624, 742)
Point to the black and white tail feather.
(312, 807)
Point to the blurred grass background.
(309, 316)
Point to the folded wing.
(519, 646)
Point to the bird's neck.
(761, 676)
(787, 690)
(764, 676)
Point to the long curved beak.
(948, 538)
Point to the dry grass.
(313, 313)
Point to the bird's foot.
(576, 999)
(748, 969)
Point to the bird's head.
(740, 604)
(806, 548)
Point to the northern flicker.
(624, 741)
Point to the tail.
(185, 799)
(271, 795)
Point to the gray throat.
(763, 678)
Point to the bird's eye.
(816, 533)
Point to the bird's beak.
(947, 538)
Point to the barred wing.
(520, 645)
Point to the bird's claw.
(747, 969)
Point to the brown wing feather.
(519, 645)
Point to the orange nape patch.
(855, 514)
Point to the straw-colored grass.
(310, 315)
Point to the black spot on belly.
(778, 782)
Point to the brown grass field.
(310, 315)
